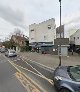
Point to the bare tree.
(18, 32)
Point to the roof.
(20, 38)
(75, 32)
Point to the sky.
(21, 13)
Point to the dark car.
(67, 78)
(78, 50)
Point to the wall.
(41, 32)
(76, 40)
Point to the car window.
(75, 72)
(12, 51)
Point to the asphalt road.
(40, 74)
(8, 80)
(30, 76)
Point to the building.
(19, 42)
(75, 38)
(42, 35)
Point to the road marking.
(14, 60)
(27, 77)
(36, 62)
(39, 74)
(14, 66)
(18, 59)
(33, 67)
(42, 76)
(26, 83)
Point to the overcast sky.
(22, 13)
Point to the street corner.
(28, 85)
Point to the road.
(18, 75)
(8, 80)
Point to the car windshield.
(12, 51)
(75, 73)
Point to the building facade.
(42, 35)
(75, 38)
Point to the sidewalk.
(51, 60)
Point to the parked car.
(67, 78)
(77, 50)
(2, 50)
(10, 53)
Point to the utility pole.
(60, 36)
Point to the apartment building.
(42, 35)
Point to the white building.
(43, 33)
(75, 38)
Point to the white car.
(10, 53)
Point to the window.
(74, 73)
(49, 27)
(32, 30)
(77, 37)
(74, 38)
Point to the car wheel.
(64, 90)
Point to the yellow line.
(26, 83)
(33, 67)
(14, 66)
(42, 76)
(26, 76)
(22, 83)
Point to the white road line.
(42, 76)
(14, 60)
(18, 59)
(33, 67)
(27, 77)
(37, 63)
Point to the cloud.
(14, 17)
(72, 18)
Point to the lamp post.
(60, 36)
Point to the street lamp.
(60, 36)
